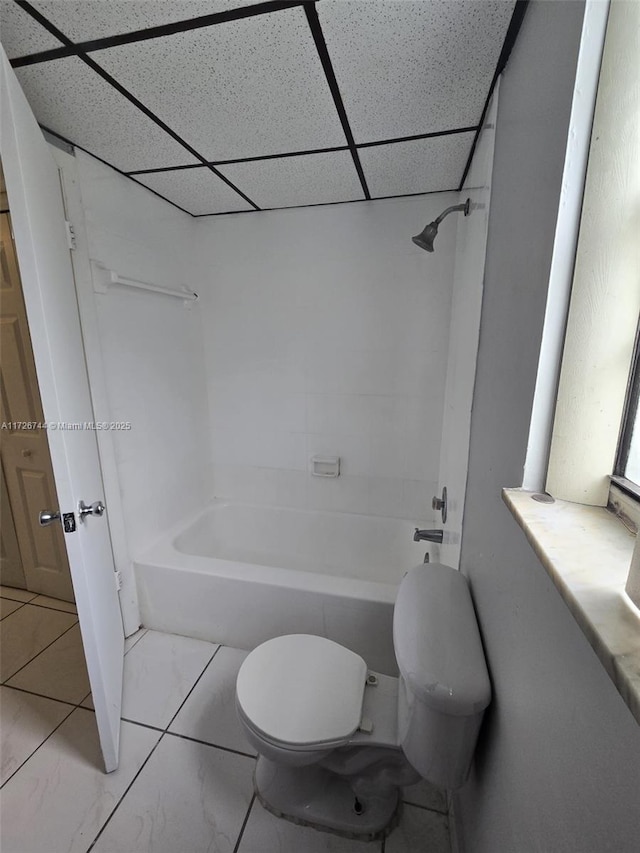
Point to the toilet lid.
(300, 690)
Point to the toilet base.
(315, 797)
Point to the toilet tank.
(444, 683)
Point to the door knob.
(96, 508)
(47, 517)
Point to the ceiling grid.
(229, 106)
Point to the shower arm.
(464, 207)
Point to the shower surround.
(326, 332)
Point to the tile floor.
(184, 783)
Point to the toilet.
(336, 742)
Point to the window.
(626, 472)
(605, 296)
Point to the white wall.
(558, 768)
(471, 242)
(326, 332)
(152, 352)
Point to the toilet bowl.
(336, 742)
(300, 697)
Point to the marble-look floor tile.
(87, 702)
(265, 833)
(189, 797)
(419, 830)
(427, 795)
(25, 722)
(129, 642)
(159, 672)
(59, 671)
(54, 603)
(25, 633)
(61, 797)
(16, 594)
(7, 606)
(209, 714)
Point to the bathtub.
(240, 574)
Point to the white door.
(33, 186)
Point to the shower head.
(426, 237)
(429, 233)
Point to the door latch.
(48, 516)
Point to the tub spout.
(427, 535)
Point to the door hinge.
(118, 580)
(71, 235)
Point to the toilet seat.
(302, 692)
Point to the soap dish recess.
(325, 466)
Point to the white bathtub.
(240, 574)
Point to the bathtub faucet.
(427, 535)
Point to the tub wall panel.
(326, 332)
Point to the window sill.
(586, 552)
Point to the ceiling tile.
(21, 34)
(420, 166)
(83, 21)
(241, 89)
(71, 99)
(406, 68)
(293, 181)
(195, 190)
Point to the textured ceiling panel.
(255, 87)
(84, 20)
(240, 89)
(293, 181)
(406, 68)
(71, 99)
(20, 33)
(420, 166)
(195, 190)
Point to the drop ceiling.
(224, 106)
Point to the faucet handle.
(441, 504)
